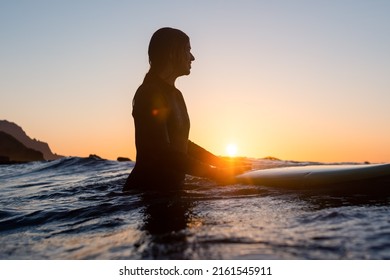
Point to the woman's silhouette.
(162, 124)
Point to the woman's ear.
(173, 60)
(172, 55)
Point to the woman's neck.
(168, 76)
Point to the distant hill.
(18, 133)
(11, 150)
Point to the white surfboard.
(316, 175)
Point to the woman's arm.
(197, 152)
(205, 164)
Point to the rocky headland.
(17, 146)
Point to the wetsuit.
(162, 125)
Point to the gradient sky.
(297, 80)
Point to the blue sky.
(303, 80)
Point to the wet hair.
(166, 44)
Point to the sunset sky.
(297, 80)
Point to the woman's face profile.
(184, 61)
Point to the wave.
(65, 165)
(78, 162)
(74, 208)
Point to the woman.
(164, 153)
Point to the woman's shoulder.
(148, 91)
(152, 87)
(149, 94)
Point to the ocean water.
(73, 208)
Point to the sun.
(231, 150)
